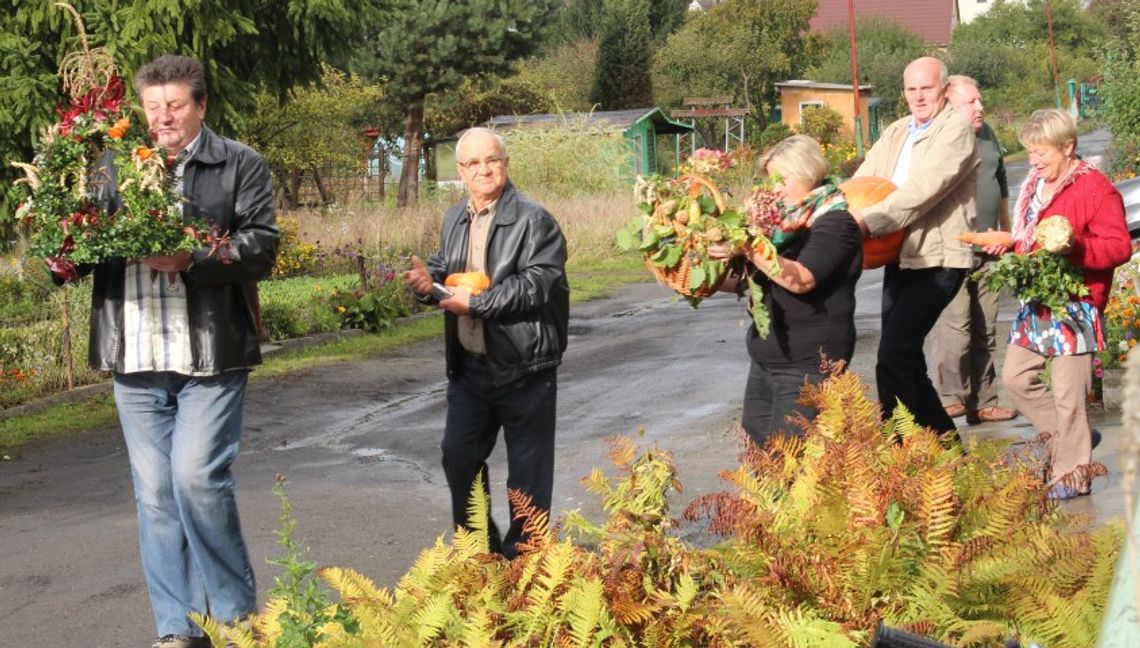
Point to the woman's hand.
(722, 251)
(996, 249)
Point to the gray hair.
(958, 80)
(170, 68)
(480, 130)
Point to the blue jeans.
(182, 435)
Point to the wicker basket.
(677, 277)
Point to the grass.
(589, 279)
(56, 421)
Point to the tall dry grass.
(589, 223)
(581, 172)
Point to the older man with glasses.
(503, 344)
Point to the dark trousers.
(912, 302)
(524, 409)
(770, 397)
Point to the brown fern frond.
(536, 521)
(622, 451)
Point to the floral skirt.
(1080, 331)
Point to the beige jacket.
(937, 201)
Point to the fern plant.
(825, 535)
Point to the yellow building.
(797, 95)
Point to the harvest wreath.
(72, 167)
(682, 217)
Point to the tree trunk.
(326, 199)
(410, 173)
(293, 189)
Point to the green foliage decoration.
(1047, 279)
(827, 534)
(244, 45)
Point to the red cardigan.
(1096, 211)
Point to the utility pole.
(855, 80)
(1053, 53)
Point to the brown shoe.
(955, 410)
(990, 414)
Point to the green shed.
(649, 131)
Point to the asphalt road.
(359, 444)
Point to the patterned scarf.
(796, 218)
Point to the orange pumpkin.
(862, 192)
(476, 282)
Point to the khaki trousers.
(965, 340)
(1057, 409)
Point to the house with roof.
(651, 135)
(798, 95)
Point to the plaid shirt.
(156, 319)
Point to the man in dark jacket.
(179, 334)
(503, 344)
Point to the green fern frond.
(938, 509)
(354, 586)
(213, 629)
(435, 614)
(584, 607)
(478, 518)
(804, 630)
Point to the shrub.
(574, 159)
(1122, 315)
(855, 523)
(822, 123)
(294, 256)
(773, 133)
(296, 307)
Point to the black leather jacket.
(526, 311)
(228, 184)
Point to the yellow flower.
(341, 309)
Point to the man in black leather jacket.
(180, 334)
(503, 344)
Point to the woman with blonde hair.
(1060, 183)
(808, 276)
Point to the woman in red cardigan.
(1061, 183)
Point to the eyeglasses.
(496, 161)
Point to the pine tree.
(423, 47)
(625, 55)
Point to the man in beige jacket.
(930, 156)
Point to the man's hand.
(418, 278)
(459, 302)
(176, 262)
